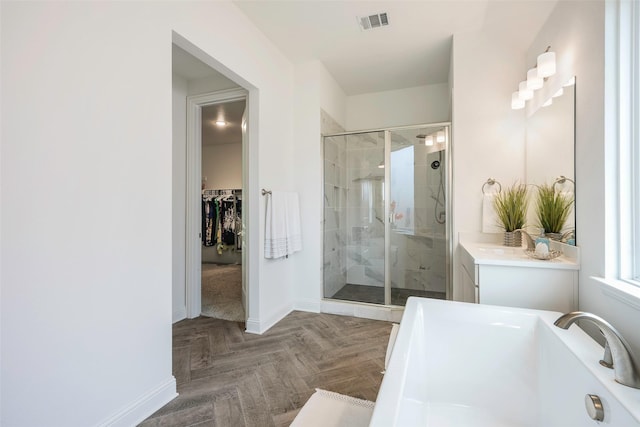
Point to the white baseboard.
(255, 326)
(179, 314)
(144, 406)
(307, 304)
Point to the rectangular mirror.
(550, 153)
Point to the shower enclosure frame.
(387, 211)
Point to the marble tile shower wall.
(335, 189)
(418, 258)
(365, 210)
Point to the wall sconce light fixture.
(545, 67)
(546, 64)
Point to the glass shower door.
(354, 217)
(417, 230)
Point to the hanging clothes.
(228, 220)
(221, 219)
(209, 221)
(238, 223)
(203, 225)
(218, 226)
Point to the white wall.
(488, 136)
(576, 32)
(315, 89)
(86, 278)
(222, 165)
(332, 98)
(410, 106)
(178, 162)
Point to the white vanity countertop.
(487, 250)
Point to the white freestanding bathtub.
(457, 365)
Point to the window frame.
(629, 141)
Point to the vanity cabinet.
(496, 275)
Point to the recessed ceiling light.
(221, 123)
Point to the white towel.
(282, 226)
(490, 223)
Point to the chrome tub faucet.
(616, 348)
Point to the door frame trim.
(193, 225)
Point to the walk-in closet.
(222, 211)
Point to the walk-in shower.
(386, 207)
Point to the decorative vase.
(512, 238)
(554, 236)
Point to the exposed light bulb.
(547, 64)
(516, 102)
(440, 137)
(524, 93)
(428, 141)
(534, 82)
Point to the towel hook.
(265, 192)
(491, 181)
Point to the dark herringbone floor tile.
(227, 377)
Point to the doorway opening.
(200, 82)
(221, 210)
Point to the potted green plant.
(552, 210)
(511, 209)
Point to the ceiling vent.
(373, 21)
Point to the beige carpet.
(222, 292)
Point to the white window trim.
(623, 192)
(629, 142)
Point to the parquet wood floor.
(227, 377)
